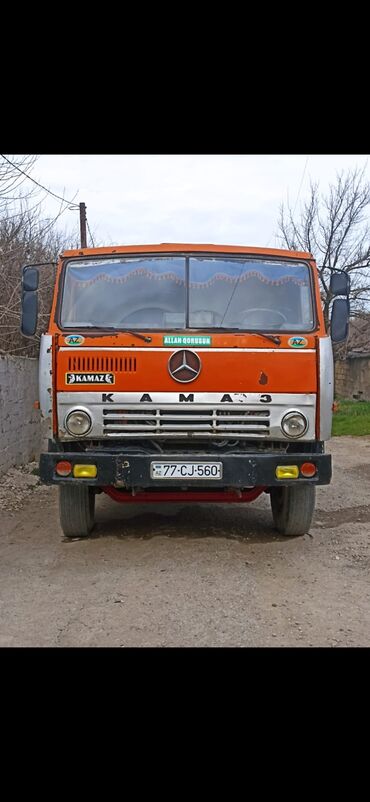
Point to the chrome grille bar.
(136, 420)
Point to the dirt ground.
(188, 575)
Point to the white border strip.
(209, 350)
(87, 396)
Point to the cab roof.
(173, 247)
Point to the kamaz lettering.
(89, 378)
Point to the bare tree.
(25, 237)
(334, 228)
(24, 240)
(18, 195)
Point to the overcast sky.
(222, 199)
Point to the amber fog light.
(85, 471)
(308, 469)
(63, 468)
(287, 472)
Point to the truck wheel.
(293, 508)
(76, 510)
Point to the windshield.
(177, 292)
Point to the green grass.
(353, 417)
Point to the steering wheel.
(273, 312)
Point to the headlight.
(78, 423)
(294, 424)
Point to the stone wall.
(20, 429)
(352, 377)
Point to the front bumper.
(133, 470)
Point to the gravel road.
(188, 575)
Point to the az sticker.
(89, 378)
(297, 342)
(74, 339)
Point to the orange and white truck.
(186, 373)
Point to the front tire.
(293, 508)
(76, 510)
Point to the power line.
(91, 236)
(272, 235)
(59, 197)
(297, 198)
(300, 186)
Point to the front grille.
(106, 364)
(172, 421)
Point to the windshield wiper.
(113, 328)
(273, 337)
(137, 334)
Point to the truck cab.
(186, 373)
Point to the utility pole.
(83, 236)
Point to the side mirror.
(30, 283)
(340, 283)
(339, 320)
(30, 279)
(29, 314)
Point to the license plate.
(186, 470)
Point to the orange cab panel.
(234, 370)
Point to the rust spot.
(263, 379)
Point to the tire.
(293, 508)
(76, 510)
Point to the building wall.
(20, 429)
(352, 376)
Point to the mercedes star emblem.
(184, 366)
